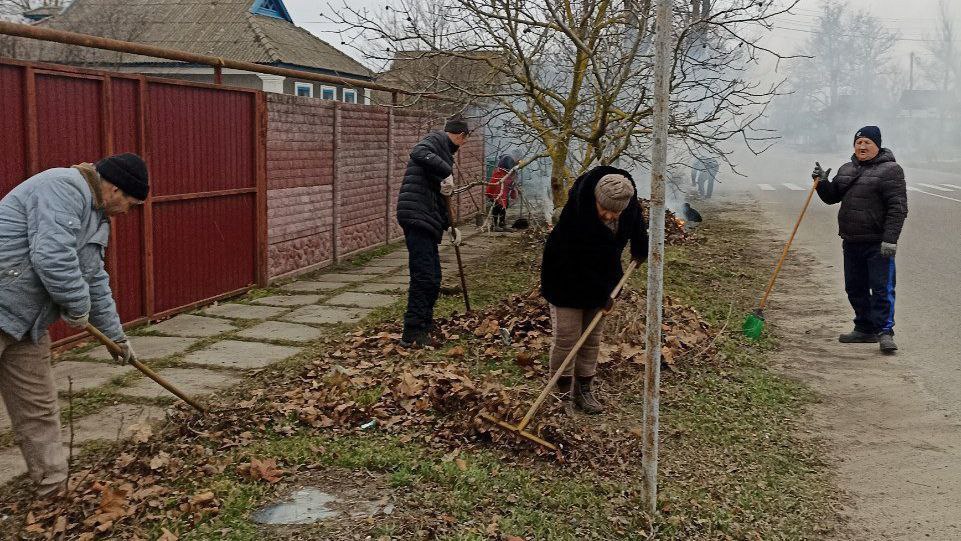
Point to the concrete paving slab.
(362, 300)
(11, 465)
(381, 267)
(344, 277)
(4, 418)
(278, 330)
(399, 279)
(236, 354)
(326, 315)
(110, 422)
(311, 286)
(289, 300)
(192, 381)
(244, 311)
(86, 374)
(149, 348)
(378, 288)
(191, 325)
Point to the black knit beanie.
(870, 132)
(127, 172)
(456, 124)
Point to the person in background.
(501, 190)
(689, 214)
(582, 266)
(423, 213)
(874, 205)
(54, 229)
(704, 174)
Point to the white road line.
(913, 189)
(933, 187)
(766, 187)
(955, 186)
(793, 187)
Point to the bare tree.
(572, 78)
(944, 68)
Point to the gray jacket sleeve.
(54, 217)
(103, 310)
(894, 194)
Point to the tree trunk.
(559, 173)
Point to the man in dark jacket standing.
(582, 266)
(874, 204)
(423, 213)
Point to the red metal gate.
(202, 233)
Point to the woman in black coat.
(581, 267)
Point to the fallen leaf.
(455, 352)
(461, 464)
(266, 470)
(167, 535)
(141, 432)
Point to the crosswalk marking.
(793, 187)
(913, 189)
(956, 187)
(766, 187)
(933, 187)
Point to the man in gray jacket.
(54, 229)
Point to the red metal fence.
(202, 233)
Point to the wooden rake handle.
(577, 346)
(116, 351)
(790, 240)
(460, 262)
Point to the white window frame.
(325, 88)
(308, 86)
(352, 91)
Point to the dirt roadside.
(897, 453)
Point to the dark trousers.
(869, 280)
(499, 214)
(424, 264)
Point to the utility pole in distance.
(655, 261)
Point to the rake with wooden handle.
(520, 427)
(116, 351)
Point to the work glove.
(128, 353)
(820, 174)
(455, 237)
(447, 186)
(78, 321)
(888, 249)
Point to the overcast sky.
(911, 18)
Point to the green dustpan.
(754, 322)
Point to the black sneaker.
(858, 337)
(887, 345)
(414, 340)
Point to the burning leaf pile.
(674, 232)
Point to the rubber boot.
(584, 397)
(887, 345)
(858, 337)
(564, 394)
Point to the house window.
(328, 93)
(350, 96)
(304, 89)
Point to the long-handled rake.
(520, 427)
(754, 322)
(115, 350)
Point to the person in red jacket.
(501, 191)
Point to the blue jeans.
(869, 279)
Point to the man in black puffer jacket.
(582, 266)
(422, 211)
(874, 204)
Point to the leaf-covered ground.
(372, 422)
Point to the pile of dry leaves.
(496, 362)
(674, 232)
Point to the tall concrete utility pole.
(655, 270)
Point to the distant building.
(258, 31)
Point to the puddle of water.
(305, 506)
